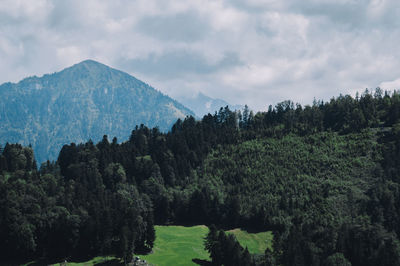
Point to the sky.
(255, 52)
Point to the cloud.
(391, 85)
(179, 63)
(256, 52)
(184, 27)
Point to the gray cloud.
(256, 51)
(179, 63)
(186, 27)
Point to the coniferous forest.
(324, 178)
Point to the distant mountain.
(202, 104)
(79, 103)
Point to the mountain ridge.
(202, 104)
(81, 102)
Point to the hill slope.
(203, 105)
(324, 178)
(81, 102)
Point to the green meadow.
(100, 260)
(179, 245)
(256, 243)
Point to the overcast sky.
(257, 52)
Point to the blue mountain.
(202, 104)
(82, 102)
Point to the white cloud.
(70, 54)
(34, 10)
(256, 52)
(377, 8)
(390, 85)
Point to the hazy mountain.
(202, 104)
(81, 102)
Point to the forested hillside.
(324, 178)
(82, 102)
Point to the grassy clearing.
(178, 245)
(256, 243)
(97, 260)
(109, 260)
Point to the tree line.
(323, 177)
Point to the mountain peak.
(89, 61)
(89, 64)
(84, 101)
(92, 71)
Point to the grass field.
(97, 261)
(256, 243)
(110, 260)
(178, 245)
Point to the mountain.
(79, 103)
(202, 104)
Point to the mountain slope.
(202, 104)
(81, 102)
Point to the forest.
(325, 178)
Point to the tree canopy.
(324, 178)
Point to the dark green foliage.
(80, 214)
(337, 259)
(324, 178)
(225, 249)
(15, 157)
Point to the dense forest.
(324, 178)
